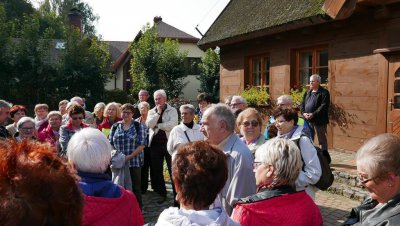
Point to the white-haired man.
(218, 127)
(4, 115)
(284, 102)
(161, 120)
(238, 104)
(315, 109)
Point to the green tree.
(32, 70)
(209, 74)
(157, 64)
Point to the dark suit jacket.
(322, 102)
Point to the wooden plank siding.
(357, 75)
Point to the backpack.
(326, 179)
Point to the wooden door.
(393, 124)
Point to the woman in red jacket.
(277, 166)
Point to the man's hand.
(159, 109)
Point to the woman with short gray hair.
(26, 129)
(278, 164)
(378, 166)
(187, 131)
(89, 151)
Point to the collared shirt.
(126, 141)
(177, 136)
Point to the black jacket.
(366, 214)
(322, 102)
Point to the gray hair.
(161, 92)
(144, 91)
(23, 120)
(187, 106)
(285, 156)
(316, 76)
(54, 113)
(379, 155)
(285, 99)
(4, 104)
(240, 98)
(222, 113)
(90, 151)
(76, 99)
(144, 104)
(98, 107)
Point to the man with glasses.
(315, 109)
(4, 115)
(285, 102)
(238, 104)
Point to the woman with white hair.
(378, 166)
(26, 129)
(278, 164)
(186, 132)
(112, 114)
(106, 203)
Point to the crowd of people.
(75, 167)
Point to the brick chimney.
(157, 19)
(75, 19)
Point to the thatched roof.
(242, 18)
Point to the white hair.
(161, 92)
(76, 99)
(54, 113)
(187, 106)
(23, 120)
(285, 156)
(316, 76)
(240, 98)
(4, 104)
(222, 113)
(286, 99)
(90, 151)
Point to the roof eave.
(306, 22)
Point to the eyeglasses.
(253, 123)
(26, 128)
(282, 104)
(77, 118)
(256, 165)
(235, 104)
(361, 178)
(280, 122)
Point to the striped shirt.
(126, 141)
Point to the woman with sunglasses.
(74, 124)
(378, 166)
(286, 123)
(249, 124)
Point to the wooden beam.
(387, 50)
(339, 9)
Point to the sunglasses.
(77, 118)
(253, 123)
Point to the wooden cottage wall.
(357, 76)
